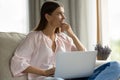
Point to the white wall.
(87, 21)
(82, 17)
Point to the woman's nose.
(63, 17)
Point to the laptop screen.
(75, 64)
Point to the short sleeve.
(21, 59)
(73, 47)
(69, 44)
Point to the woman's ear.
(47, 16)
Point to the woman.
(35, 56)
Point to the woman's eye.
(58, 14)
(62, 14)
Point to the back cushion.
(8, 43)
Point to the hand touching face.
(57, 20)
(65, 27)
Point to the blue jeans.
(107, 71)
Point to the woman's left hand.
(65, 27)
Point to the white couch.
(8, 43)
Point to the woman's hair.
(47, 8)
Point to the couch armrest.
(8, 43)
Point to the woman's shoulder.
(34, 33)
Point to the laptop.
(75, 64)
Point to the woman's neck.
(50, 32)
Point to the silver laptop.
(75, 64)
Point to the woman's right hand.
(34, 70)
(49, 72)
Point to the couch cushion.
(8, 43)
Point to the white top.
(35, 50)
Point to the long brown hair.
(48, 7)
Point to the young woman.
(35, 56)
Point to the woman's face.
(57, 17)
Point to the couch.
(8, 43)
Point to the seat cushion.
(8, 43)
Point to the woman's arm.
(66, 27)
(41, 72)
(20, 61)
(76, 41)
